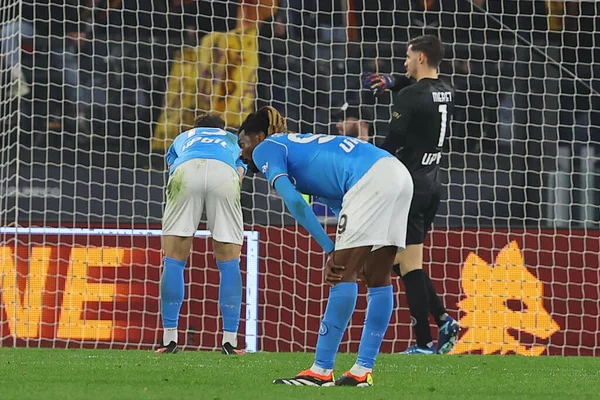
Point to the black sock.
(417, 296)
(436, 306)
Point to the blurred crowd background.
(107, 84)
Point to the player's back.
(320, 165)
(207, 143)
(430, 105)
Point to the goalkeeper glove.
(377, 83)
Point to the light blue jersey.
(209, 143)
(320, 165)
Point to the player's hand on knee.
(377, 83)
(333, 272)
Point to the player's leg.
(380, 305)
(420, 293)
(180, 221)
(410, 263)
(339, 310)
(386, 228)
(412, 260)
(224, 218)
(176, 250)
(230, 293)
(340, 307)
(422, 299)
(417, 297)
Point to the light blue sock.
(172, 291)
(379, 312)
(230, 294)
(340, 306)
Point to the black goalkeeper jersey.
(420, 123)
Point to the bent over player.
(420, 122)
(371, 192)
(204, 172)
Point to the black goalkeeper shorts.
(423, 208)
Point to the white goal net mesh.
(93, 92)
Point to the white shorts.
(375, 210)
(200, 182)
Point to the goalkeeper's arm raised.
(378, 83)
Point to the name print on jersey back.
(348, 144)
(442, 97)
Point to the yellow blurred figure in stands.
(217, 76)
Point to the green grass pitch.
(119, 374)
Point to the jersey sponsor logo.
(431, 158)
(265, 167)
(503, 301)
(204, 140)
(200, 135)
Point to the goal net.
(93, 93)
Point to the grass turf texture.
(120, 374)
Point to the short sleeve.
(171, 155)
(270, 158)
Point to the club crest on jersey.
(265, 167)
(323, 329)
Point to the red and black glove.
(377, 83)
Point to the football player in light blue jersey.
(204, 170)
(370, 191)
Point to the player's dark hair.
(254, 123)
(209, 120)
(267, 120)
(431, 46)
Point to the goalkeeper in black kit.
(420, 122)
